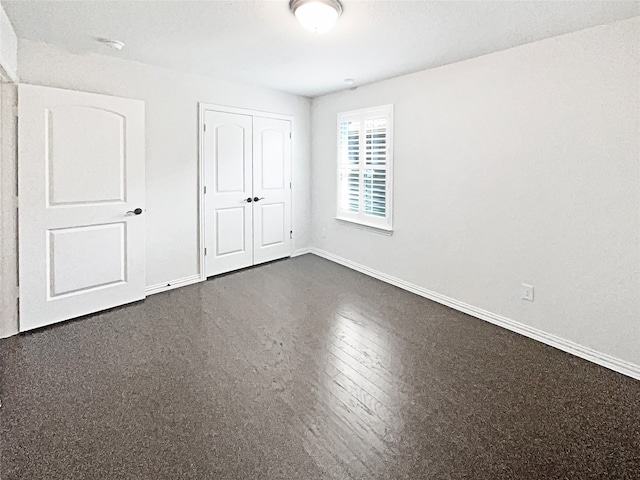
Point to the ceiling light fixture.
(115, 44)
(316, 15)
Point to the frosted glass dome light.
(317, 16)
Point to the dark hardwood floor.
(303, 369)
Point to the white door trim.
(202, 108)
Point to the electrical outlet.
(527, 292)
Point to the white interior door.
(227, 153)
(271, 189)
(81, 169)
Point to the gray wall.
(171, 103)
(516, 167)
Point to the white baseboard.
(181, 282)
(301, 251)
(581, 351)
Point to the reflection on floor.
(303, 369)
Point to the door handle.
(248, 200)
(137, 211)
(256, 199)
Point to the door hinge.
(289, 184)
(205, 189)
(205, 127)
(290, 234)
(205, 250)
(289, 134)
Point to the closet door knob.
(256, 199)
(137, 211)
(248, 200)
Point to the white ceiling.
(260, 41)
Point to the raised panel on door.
(271, 185)
(71, 258)
(76, 133)
(227, 152)
(81, 169)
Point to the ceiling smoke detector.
(115, 44)
(318, 16)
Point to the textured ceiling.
(260, 42)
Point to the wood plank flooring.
(303, 369)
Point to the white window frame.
(382, 223)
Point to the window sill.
(364, 226)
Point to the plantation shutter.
(350, 165)
(364, 164)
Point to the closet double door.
(247, 172)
